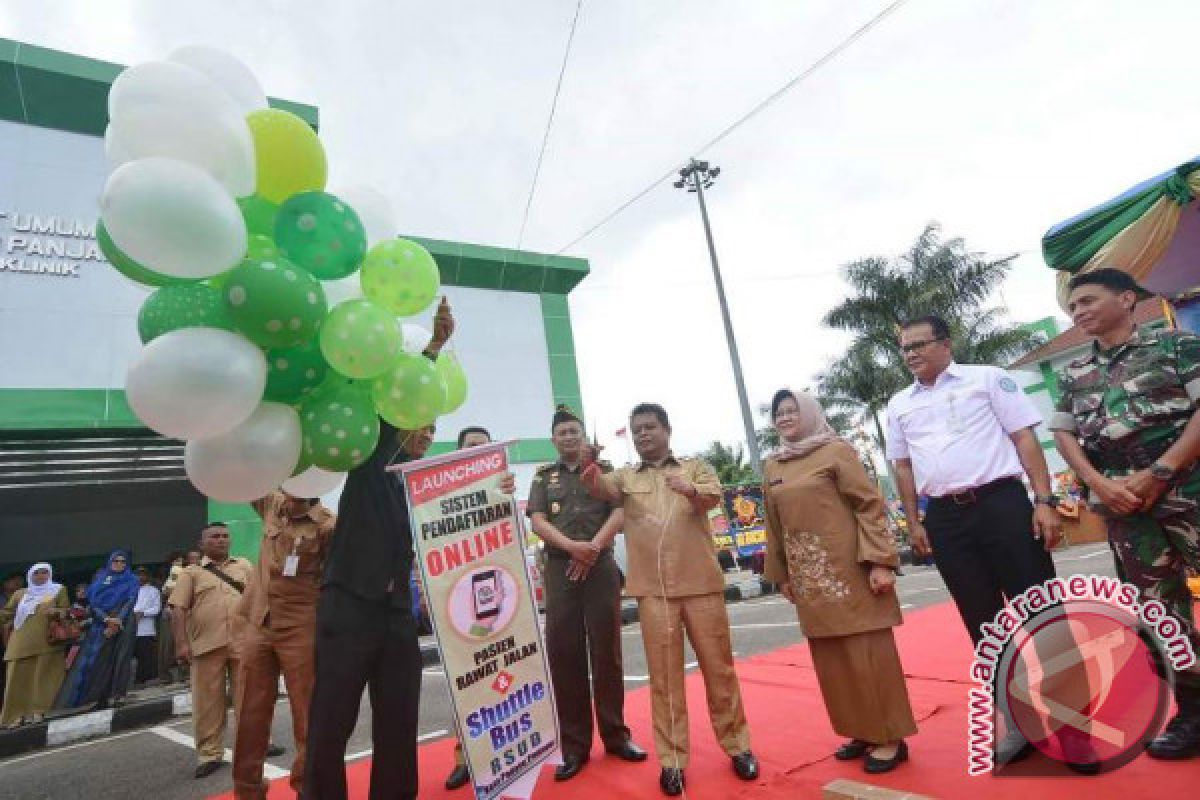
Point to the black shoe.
(570, 767)
(855, 748)
(1012, 748)
(275, 750)
(208, 768)
(671, 781)
(627, 751)
(1078, 753)
(1180, 739)
(745, 766)
(877, 766)
(459, 777)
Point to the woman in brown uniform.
(829, 549)
(35, 667)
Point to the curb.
(155, 711)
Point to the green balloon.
(293, 372)
(322, 234)
(274, 303)
(262, 248)
(340, 428)
(359, 339)
(401, 276)
(410, 395)
(301, 464)
(452, 375)
(190, 305)
(259, 214)
(127, 266)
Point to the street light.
(696, 177)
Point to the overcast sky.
(997, 119)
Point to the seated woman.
(35, 667)
(829, 549)
(100, 672)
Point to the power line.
(768, 101)
(549, 122)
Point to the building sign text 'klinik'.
(54, 245)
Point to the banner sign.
(747, 526)
(470, 543)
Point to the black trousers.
(985, 551)
(583, 627)
(364, 644)
(145, 651)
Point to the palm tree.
(934, 276)
(730, 464)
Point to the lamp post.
(696, 177)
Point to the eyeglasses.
(118, 561)
(913, 347)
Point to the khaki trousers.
(703, 617)
(214, 682)
(266, 653)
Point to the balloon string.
(666, 506)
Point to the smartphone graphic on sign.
(485, 590)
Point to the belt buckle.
(964, 498)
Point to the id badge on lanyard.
(291, 564)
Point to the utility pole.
(696, 177)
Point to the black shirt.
(372, 549)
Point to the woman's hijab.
(110, 590)
(34, 595)
(814, 427)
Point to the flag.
(623, 432)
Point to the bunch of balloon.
(272, 342)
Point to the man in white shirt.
(962, 436)
(146, 609)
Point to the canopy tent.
(1151, 231)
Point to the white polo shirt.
(956, 432)
(149, 602)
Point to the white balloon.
(414, 338)
(249, 461)
(113, 149)
(341, 290)
(229, 73)
(313, 482)
(218, 143)
(154, 85)
(173, 217)
(196, 382)
(374, 210)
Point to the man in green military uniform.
(583, 601)
(1126, 425)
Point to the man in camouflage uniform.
(583, 601)
(1126, 425)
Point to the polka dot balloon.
(188, 305)
(294, 372)
(322, 234)
(451, 373)
(359, 339)
(340, 427)
(401, 276)
(273, 302)
(410, 394)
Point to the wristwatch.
(1050, 500)
(1161, 472)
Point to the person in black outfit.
(366, 632)
(366, 635)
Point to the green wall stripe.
(560, 348)
(485, 267)
(66, 92)
(1050, 379)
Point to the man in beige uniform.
(278, 628)
(673, 572)
(204, 601)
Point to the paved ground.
(157, 763)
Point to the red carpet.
(793, 741)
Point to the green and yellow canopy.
(1151, 231)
